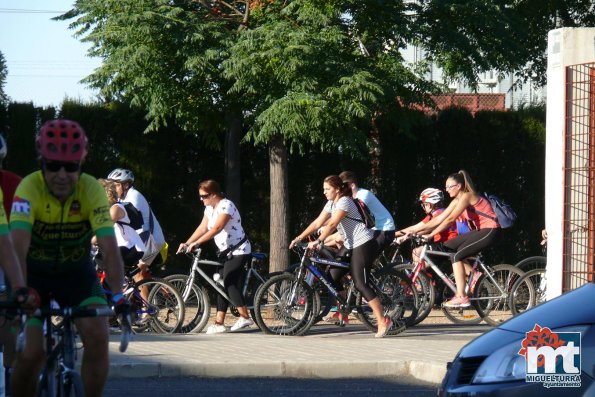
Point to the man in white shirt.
(385, 224)
(151, 233)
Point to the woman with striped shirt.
(340, 212)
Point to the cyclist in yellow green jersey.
(55, 212)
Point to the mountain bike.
(289, 304)
(162, 311)
(59, 376)
(528, 291)
(489, 296)
(195, 294)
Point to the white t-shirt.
(140, 202)
(233, 232)
(354, 232)
(126, 236)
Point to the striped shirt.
(353, 230)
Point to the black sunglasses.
(55, 166)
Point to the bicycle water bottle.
(218, 279)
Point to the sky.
(45, 62)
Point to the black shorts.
(68, 289)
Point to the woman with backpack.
(341, 212)
(468, 206)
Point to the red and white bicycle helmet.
(431, 195)
(61, 140)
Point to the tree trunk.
(233, 135)
(279, 255)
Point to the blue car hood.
(573, 308)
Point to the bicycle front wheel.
(196, 303)
(532, 262)
(491, 295)
(528, 291)
(164, 305)
(459, 315)
(284, 306)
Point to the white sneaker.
(217, 329)
(241, 323)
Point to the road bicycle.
(59, 377)
(196, 296)
(155, 303)
(289, 303)
(489, 295)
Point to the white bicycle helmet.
(3, 148)
(121, 175)
(431, 195)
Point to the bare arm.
(462, 203)
(204, 234)
(21, 240)
(314, 226)
(436, 221)
(11, 263)
(113, 262)
(199, 231)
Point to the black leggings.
(362, 258)
(234, 273)
(472, 242)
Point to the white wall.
(566, 46)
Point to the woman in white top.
(130, 244)
(222, 222)
(340, 212)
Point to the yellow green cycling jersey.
(60, 233)
(3, 219)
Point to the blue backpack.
(505, 215)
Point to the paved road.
(326, 352)
(268, 387)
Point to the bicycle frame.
(477, 261)
(195, 269)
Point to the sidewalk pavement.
(327, 351)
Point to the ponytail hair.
(337, 183)
(464, 179)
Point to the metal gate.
(579, 177)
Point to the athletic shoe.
(217, 329)
(474, 279)
(241, 323)
(458, 302)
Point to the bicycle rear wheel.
(491, 297)
(282, 306)
(528, 291)
(398, 298)
(165, 305)
(425, 290)
(459, 315)
(196, 303)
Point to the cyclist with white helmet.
(432, 202)
(55, 212)
(124, 180)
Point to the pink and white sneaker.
(458, 301)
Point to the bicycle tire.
(459, 315)
(398, 298)
(47, 383)
(166, 310)
(197, 305)
(532, 262)
(425, 290)
(275, 314)
(528, 291)
(71, 385)
(492, 306)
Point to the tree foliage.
(3, 75)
